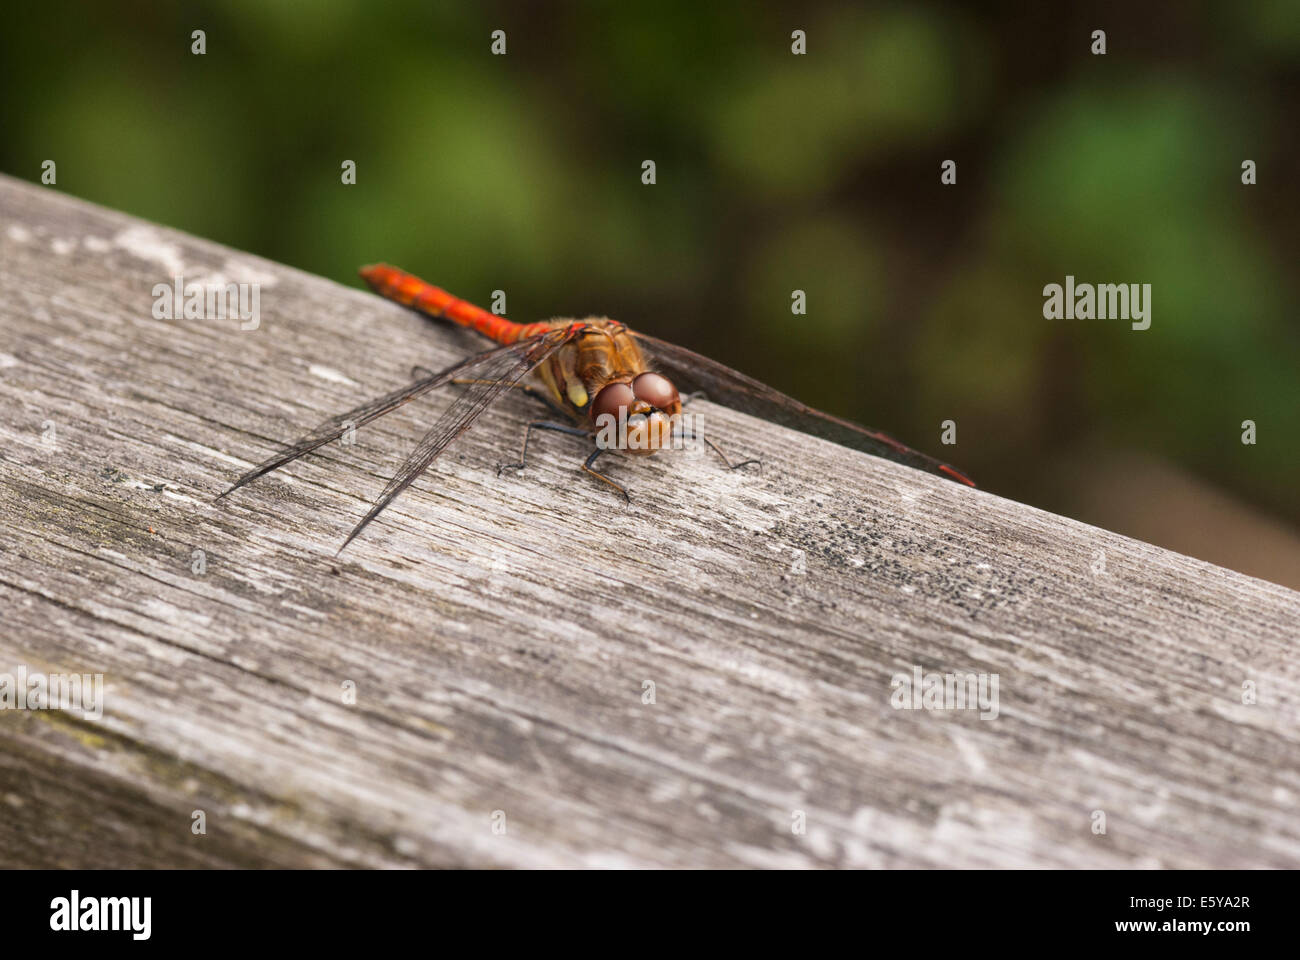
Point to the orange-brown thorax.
(598, 377)
(602, 374)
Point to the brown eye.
(614, 401)
(656, 390)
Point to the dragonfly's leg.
(539, 425)
(600, 476)
(691, 435)
(529, 389)
(696, 395)
(731, 466)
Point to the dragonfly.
(595, 373)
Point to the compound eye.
(655, 389)
(613, 401)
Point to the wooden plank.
(500, 631)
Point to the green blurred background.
(775, 172)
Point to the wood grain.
(500, 631)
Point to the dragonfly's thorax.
(604, 372)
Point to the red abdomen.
(411, 291)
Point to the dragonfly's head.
(636, 415)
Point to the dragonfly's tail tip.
(956, 475)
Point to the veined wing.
(692, 371)
(497, 371)
(335, 427)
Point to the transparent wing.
(335, 427)
(498, 373)
(691, 371)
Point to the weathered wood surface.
(499, 630)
